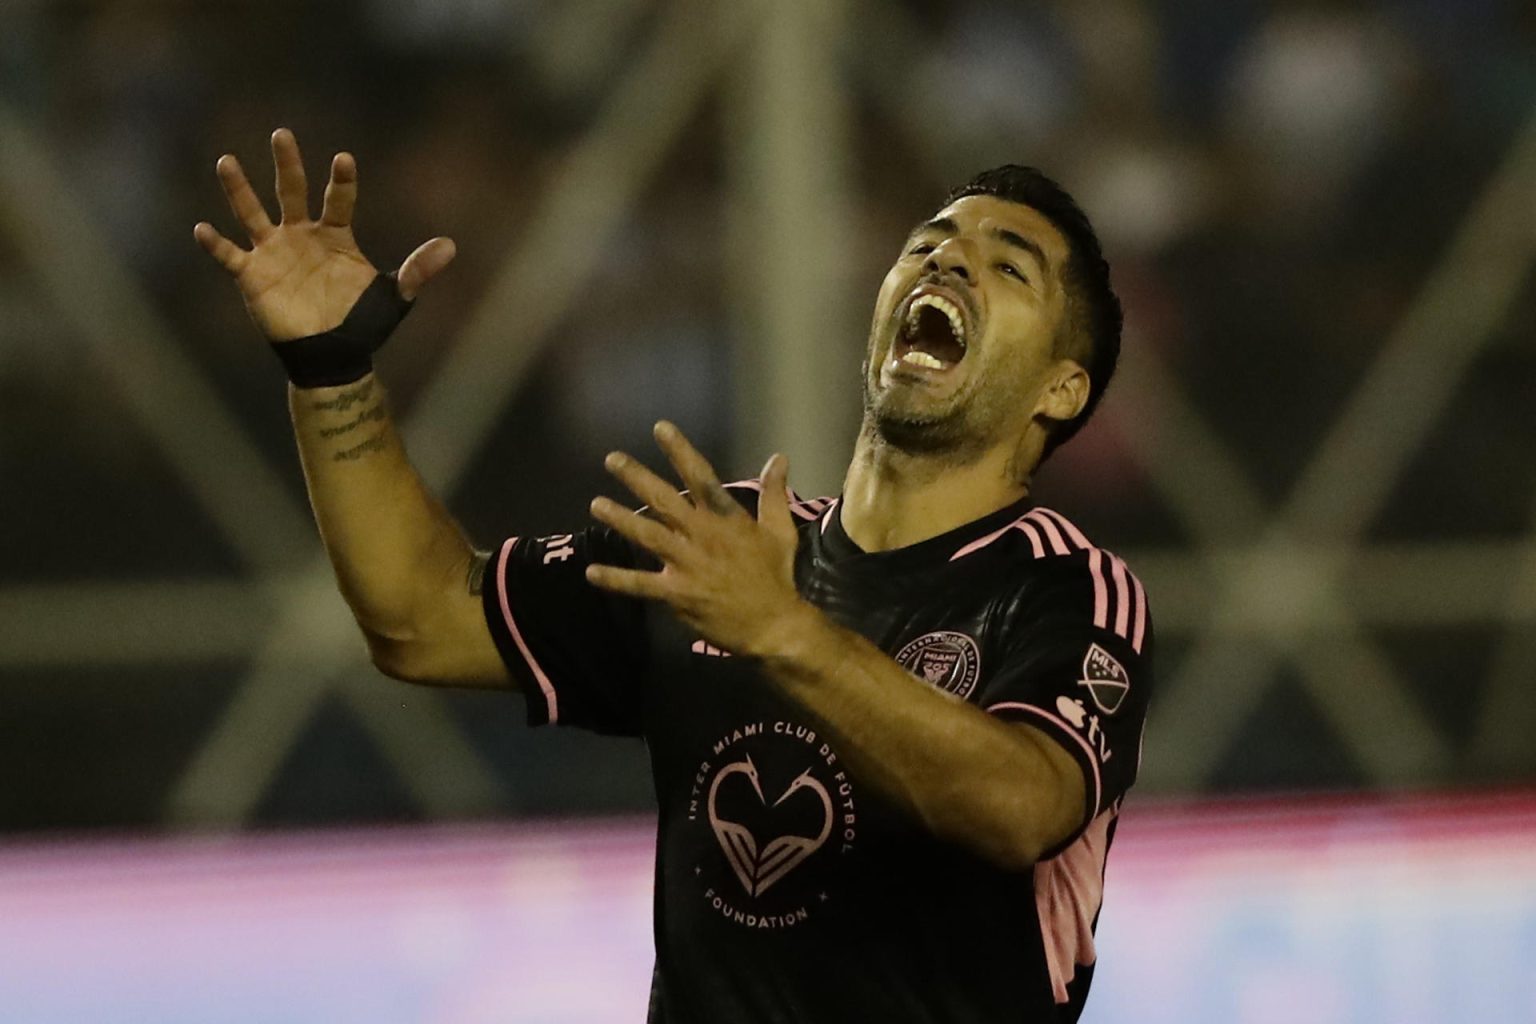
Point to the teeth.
(917, 358)
(943, 305)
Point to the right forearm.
(392, 543)
(407, 571)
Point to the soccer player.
(890, 731)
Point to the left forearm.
(1001, 789)
(1005, 791)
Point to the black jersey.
(787, 888)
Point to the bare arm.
(405, 568)
(1004, 790)
(403, 565)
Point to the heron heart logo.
(773, 813)
(758, 866)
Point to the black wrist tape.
(345, 353)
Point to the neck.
(893, 498)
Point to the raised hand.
(301, 276)
(724, 573)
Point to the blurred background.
(1317, 455)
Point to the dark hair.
(1094, 316)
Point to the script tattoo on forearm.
(362, 448)
(374, 410)
(369, 415)
(346, 399)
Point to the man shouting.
(889, 731)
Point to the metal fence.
(1317, 454)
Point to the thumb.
(423, 265)
(773, 505)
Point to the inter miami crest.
(947, 659)
(1105, 679)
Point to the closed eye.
(921, 249)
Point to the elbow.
(1014, 847)
(1038, 835)
(1026, 849)
(1018, 831)
(1022, 845)
(1005, 836)
(400, 659)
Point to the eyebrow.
(943, 225)
(1018, 241)
(946, 226)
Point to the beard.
(950, 431)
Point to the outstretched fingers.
(630, 582)
(635, 526)
(773, 504)
(229, 255)
(652, 490)
(422, 265)
(292, 188)
(696, 472)
(340, 192)
(242, 198)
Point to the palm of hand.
(302, 276)
(726, 575)
(302, 279)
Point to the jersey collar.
(839, 550)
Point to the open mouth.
(932, 335)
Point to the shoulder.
(805, 510)
(1058, 562)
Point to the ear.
(1065, 394)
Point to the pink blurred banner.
(1404, 911)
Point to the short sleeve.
(1077, 665)
(578, 653)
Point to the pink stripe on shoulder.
(1035, 543)
(826, 517)
(981, 542)
(1100, 588)
(1043, 527)
(1052, 533)
(1130, 598)
(1066, 526)
(803, 508)
(500, 583)
(1122, 597)
(1067, 730)
(808, 509)
(1141, 614)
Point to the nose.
(951, 256)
